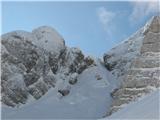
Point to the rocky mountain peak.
(141, 76)
(33, 62)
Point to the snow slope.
(88, 98)
(146, 108)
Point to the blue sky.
(94, 27)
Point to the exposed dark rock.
(64, 92)
(31, 78)
(53, 62)
(98, 77)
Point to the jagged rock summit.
(32, 63)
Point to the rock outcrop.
(32, 63)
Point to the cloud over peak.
(142, 9)
(105, 16)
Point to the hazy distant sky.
(95, 27)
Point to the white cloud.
(142, 9)
(106, 19)
(105, 16)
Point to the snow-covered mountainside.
(32, 63)
(42, 78)
(38, 67)
(145, 108)
(88, 98)
(136, 64)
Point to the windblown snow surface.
(145, 108)
(88, 99)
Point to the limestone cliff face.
(143, 75)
